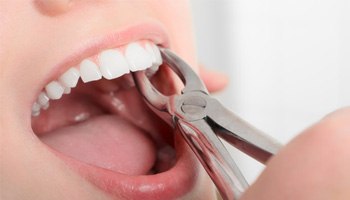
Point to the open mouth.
(93, 118)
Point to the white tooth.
(35, 114)
(67, 90)
(54, 90)
(157, 54)
(89, 71)
(36, 109)
(149, 49)
(43, 99)
(70, 78)
(113, 64)
(156, 59)
(137, 57)
(46, 106)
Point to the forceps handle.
(240, 133)
(214, 157)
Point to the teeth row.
(110, 64)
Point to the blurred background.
(288, 61)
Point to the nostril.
(53, 7)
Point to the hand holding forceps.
(201, 119)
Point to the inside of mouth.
(107, 124)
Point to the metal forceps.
(201, 119)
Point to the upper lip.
(161, 186)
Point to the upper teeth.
(111, 64)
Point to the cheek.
(176, 16)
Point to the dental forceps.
(201, 119)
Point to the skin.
(313, 166)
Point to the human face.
(101, 153)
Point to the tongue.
(108, 142)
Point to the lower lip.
(172, 184)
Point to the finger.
(215, 81)
(315, 165)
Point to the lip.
(172, 184)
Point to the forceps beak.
(188, 77)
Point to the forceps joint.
(191, 106)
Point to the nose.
(53, 7)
